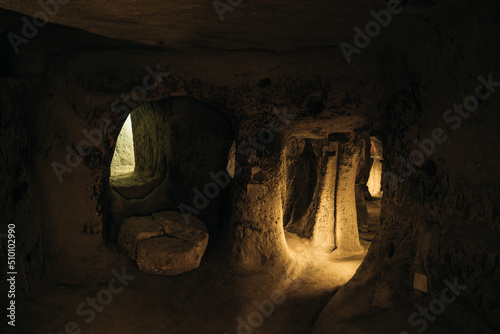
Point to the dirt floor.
(211, 299)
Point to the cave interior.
(250, 167)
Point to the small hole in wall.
(430, 167)
(390, 250)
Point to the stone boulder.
(169, 256)
(178, 218)
(164, 244)
(135, 229)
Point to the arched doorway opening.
(165, 158)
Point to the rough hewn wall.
(20, 200)
(19, 192)
(440, 216)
